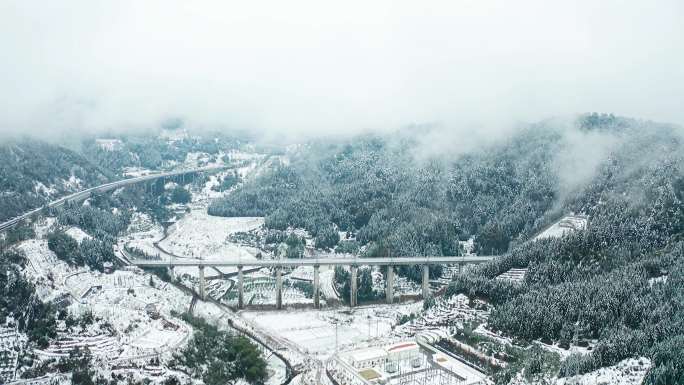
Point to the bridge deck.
(82, 195)
(319, 262)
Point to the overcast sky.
(322, 67)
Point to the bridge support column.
(279, 288)
(240, 282)
(172, 273)
(352, 286)
(317, 286)
(202, 284)
(426, 281)
(389, 290)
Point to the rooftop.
(367, 354)
(402, 346)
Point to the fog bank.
(291, 70)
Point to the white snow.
(73, 183)
(199, 235)
(78, 234)
(328, 284)
(513, 275)
(564, 225)
(627, 372)
(135, 172)
(314, 331)
(43, 226)
(119, 298)
(142, 233)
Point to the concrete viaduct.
(353, 263)
(85, 194)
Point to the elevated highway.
(85, 194)
(333, 261)
(316, 263)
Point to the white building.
(368, 358)
(402, 351)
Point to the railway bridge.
(353, 263)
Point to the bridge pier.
(202, 284)
(240, 288)
(172, 273)
(426, 281)
(279, 288)
(353, 286)
(389, 290)
(317, 287)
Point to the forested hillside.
(151, 151)
(34, 172)
(619, 282)
(374, 187)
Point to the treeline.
(219, 357)
(374, 188)
(228, 181)
(18, 233)
(20, 305)
(104, 217)
(90, 252)
(33, 172)
(620, 281)
(634, 310)
(617, 281)
(364, 285)
(153, 152)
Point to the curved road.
(82, 195)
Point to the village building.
(368, 358)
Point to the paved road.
(82, 195)
(333, 261)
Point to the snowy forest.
(616, 285)
(620, 281)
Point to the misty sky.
(321, 67)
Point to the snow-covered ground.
(319, 331)
(328, 284)
(225, 321)
(564, 225)
(119, 298)
(78, 234)
(134, 172)
(142, 233)
(627, 372)
(202, 236)
(43, 226)
(260, 289)
(44, 269)
(446, 315)
(11, 345)
(513, 275)
(469, 374)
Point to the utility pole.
(369, 327)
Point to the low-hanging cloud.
(294, 69)
(580, 155)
